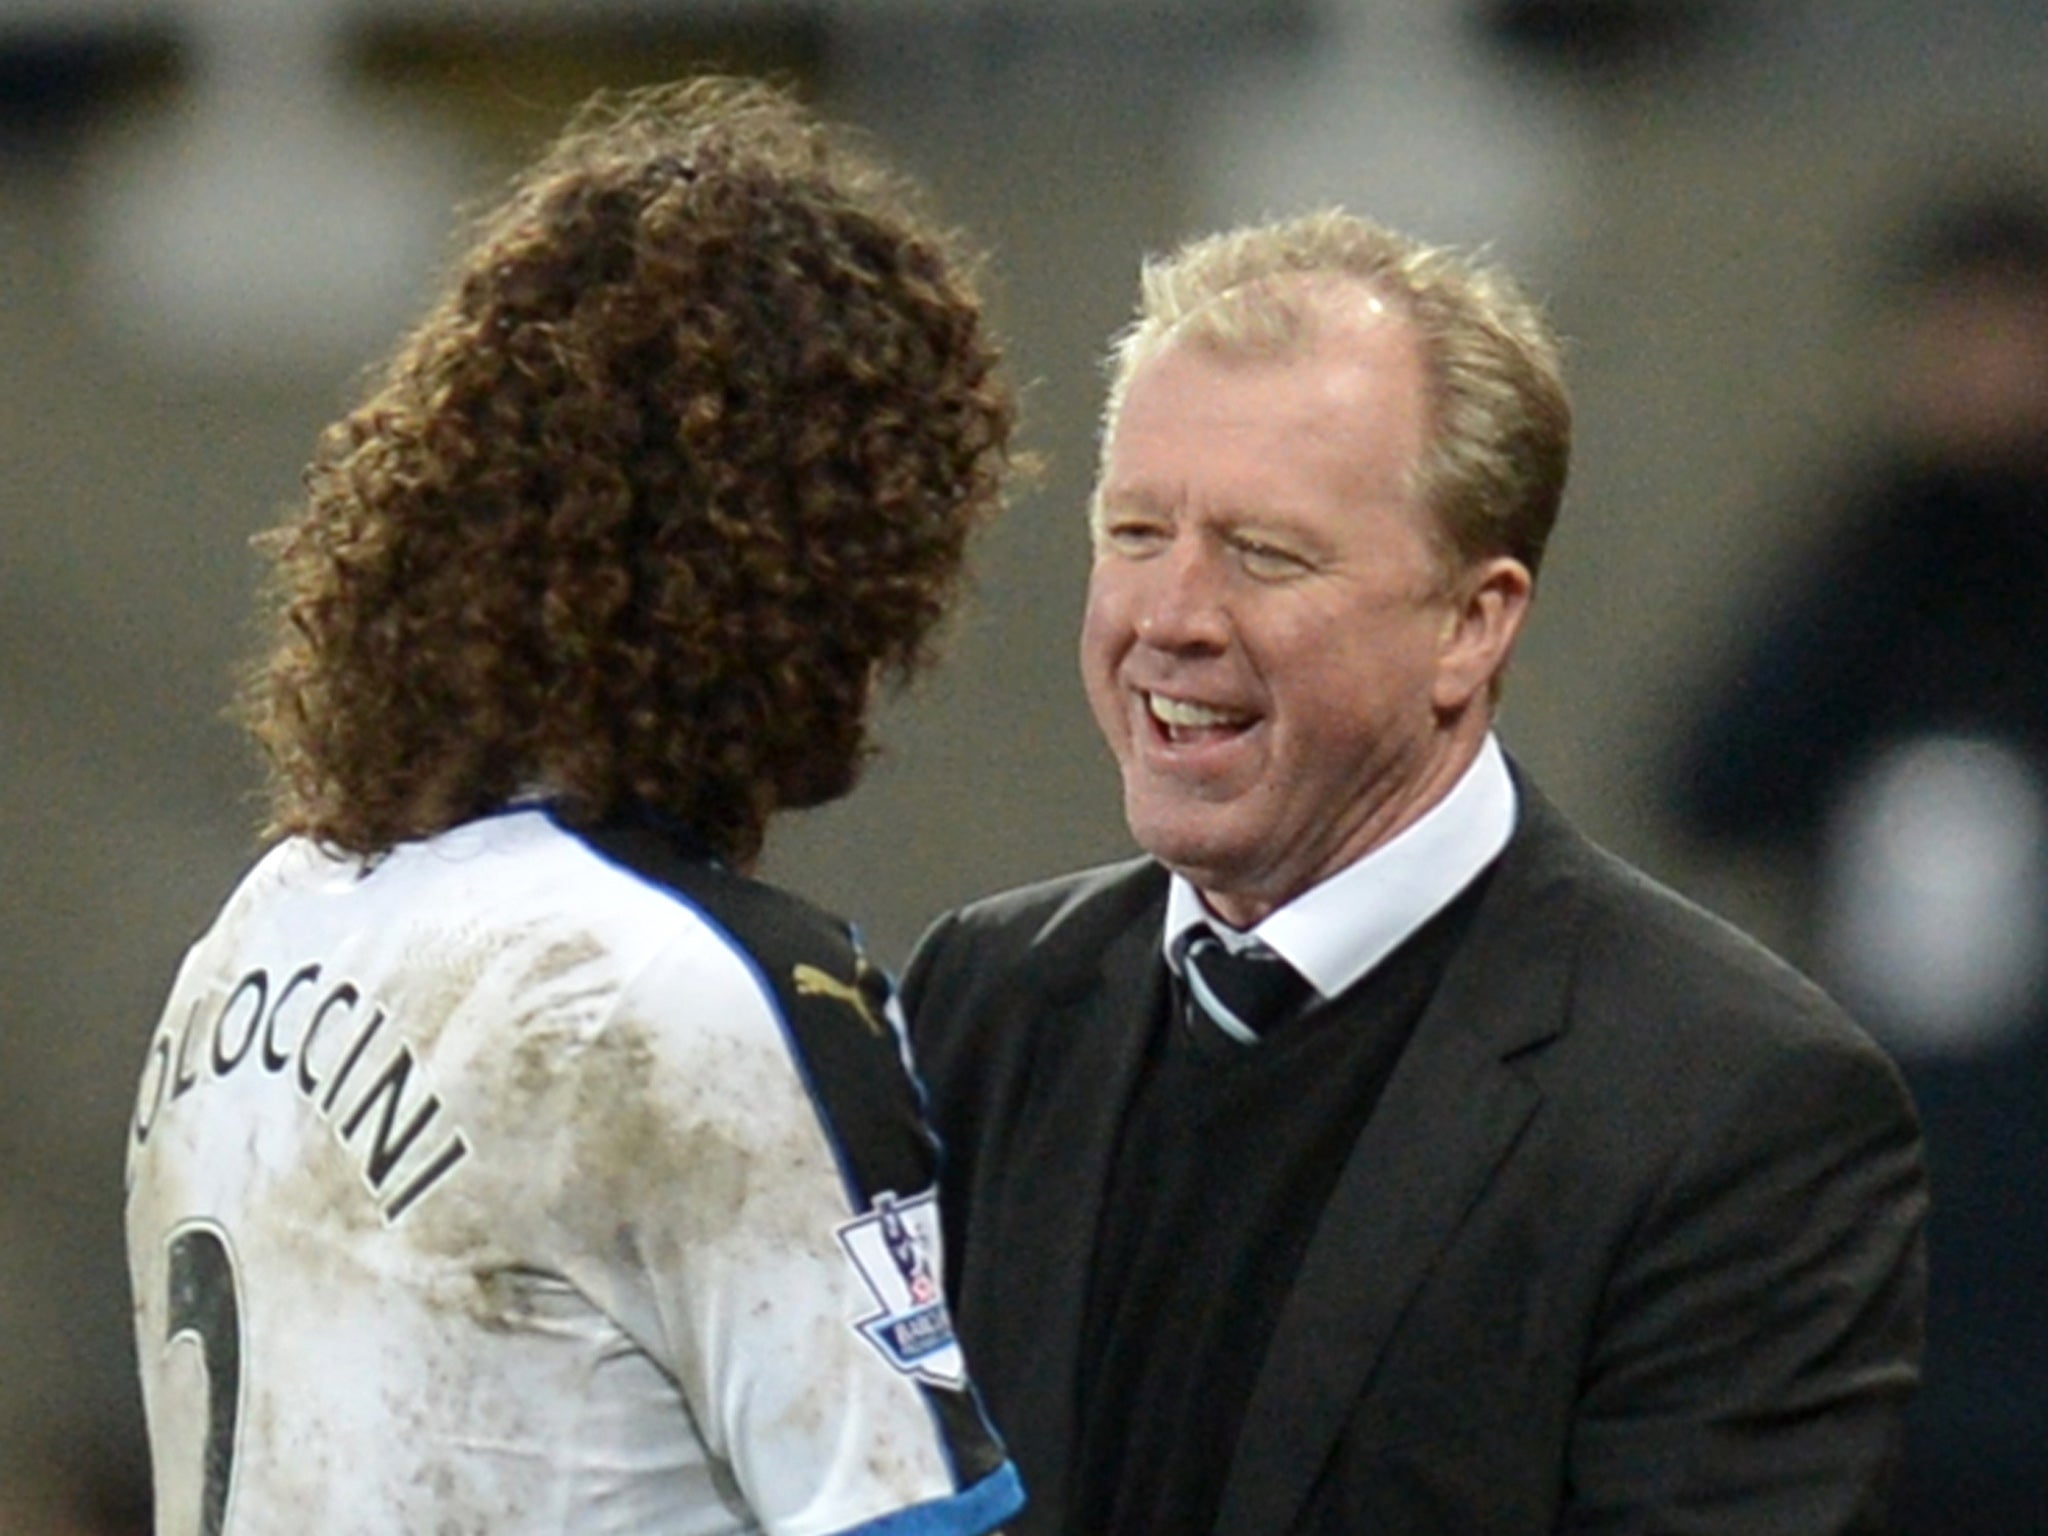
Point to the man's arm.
(1761, 1336)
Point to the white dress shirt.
(1335, 932)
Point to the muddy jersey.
(533, 1180)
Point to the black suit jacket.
(1632, 1242)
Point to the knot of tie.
(1245, 992)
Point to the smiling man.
(1376, 1154)
(1281, 659)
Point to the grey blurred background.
(215, 213)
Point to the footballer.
(507, 1157)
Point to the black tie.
(1244, 992)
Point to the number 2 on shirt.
(205, 1303)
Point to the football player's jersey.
(540, 1181)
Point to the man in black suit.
(1530, 1198)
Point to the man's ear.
(1488, 604)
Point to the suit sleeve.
(930, 980)
(1761, 1335)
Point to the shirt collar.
(1333, 933)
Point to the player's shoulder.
(796, 951)
(767, 919)
(260, 900)
(630, 883)
(564, 920)
(827, 1008)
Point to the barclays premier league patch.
(896, 1249)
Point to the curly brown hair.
(682, 464)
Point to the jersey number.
(204, 1303)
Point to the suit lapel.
(1448, 1118)
(1095, 1033)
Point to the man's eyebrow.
(1131, 498)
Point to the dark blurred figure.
(1889, 729)
(67, 1485)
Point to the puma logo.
(812, 982)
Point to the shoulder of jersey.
(812, 959)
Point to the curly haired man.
(508, 1158)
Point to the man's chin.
(1205, 863)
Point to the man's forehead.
(1354, 340)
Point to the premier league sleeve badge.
(895, 1248)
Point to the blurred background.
(214, 214)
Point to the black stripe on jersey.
(835, 1003)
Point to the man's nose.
(1182, 605)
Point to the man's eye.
(1131, 536)
(1269, 561)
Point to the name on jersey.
(326, 1041)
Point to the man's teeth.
(1184, 713)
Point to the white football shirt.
(530, 1180)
